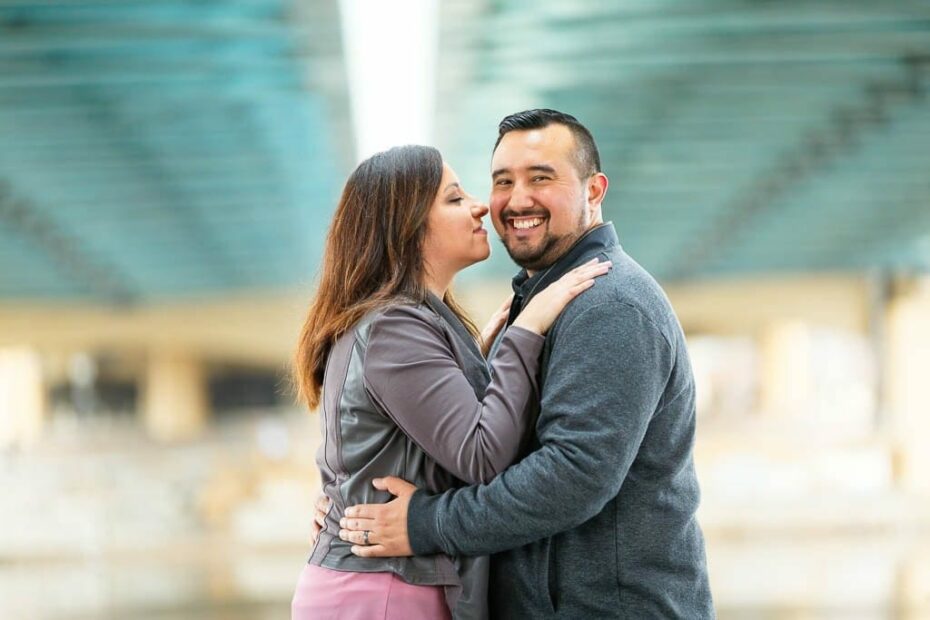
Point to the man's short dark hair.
(587, 159)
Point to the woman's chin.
(479, 258)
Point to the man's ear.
(596, 190)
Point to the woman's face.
(455, 237)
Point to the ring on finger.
(365, 536)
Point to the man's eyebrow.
(533, 168)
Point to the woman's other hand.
(495, 323)
(542, 311)
(321, 507)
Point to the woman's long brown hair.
(373, 254)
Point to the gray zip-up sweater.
(597, 521)
(407, 393)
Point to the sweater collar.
(598, 239)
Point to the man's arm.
(607, 372)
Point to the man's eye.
(502, 182)
(540, 178)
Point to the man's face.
(538, 203)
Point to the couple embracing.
(539, 468)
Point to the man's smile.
(525, 223)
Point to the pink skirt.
(325, 594)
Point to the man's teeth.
(531, 223)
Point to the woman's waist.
(335, 554)
(353, 485)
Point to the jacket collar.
(439, 307)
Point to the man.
(597, 520)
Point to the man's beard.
(550, 249)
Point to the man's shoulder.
(626, 283)
(627, 289)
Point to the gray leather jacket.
(407, 393)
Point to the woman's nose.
(479, 210)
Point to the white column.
(785, 371)
(22, 397)
(908, 360)
(175, 397)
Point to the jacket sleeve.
(411, 373)
(606, 375)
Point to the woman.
(395, 365)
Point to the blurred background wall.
(167, 173)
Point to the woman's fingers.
(353, 530)
(371, 551)
(591, 265)
(601, 267)
(358, 538)
(588, 271)
(582, 278)
(321, 507)
(356, 524)
(323, 504)
(580, 287)
(495, 324)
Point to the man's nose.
(519, 197)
